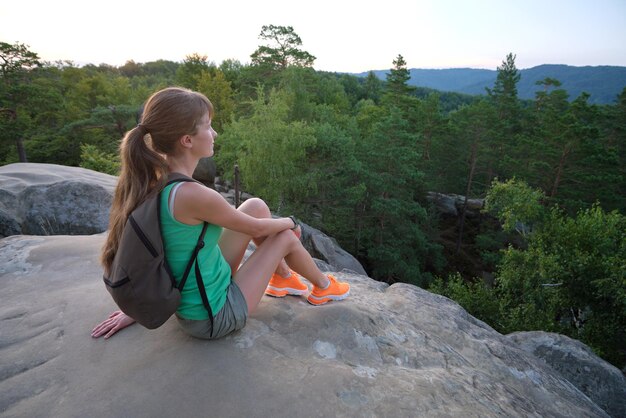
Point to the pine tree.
(373, 87)
(282, 50)
(398, 92)
(507, 127)
(392, 223)
(504, 92)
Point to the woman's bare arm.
(196, 203)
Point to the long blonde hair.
(168, 115)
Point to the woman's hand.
(298, 231)
(116, 321)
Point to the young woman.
(174, 133)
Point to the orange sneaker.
(282, 286)
(335, 291)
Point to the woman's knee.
(255, 207)
(288, 239)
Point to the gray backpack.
(141, 282)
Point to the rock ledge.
(386, 351)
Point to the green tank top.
(180, 240)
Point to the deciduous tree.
(269, 150)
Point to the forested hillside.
(602, 83)
(356, 156)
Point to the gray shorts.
(230, 318)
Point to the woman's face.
(205, 136)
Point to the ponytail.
(144, 172)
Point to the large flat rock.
(395, 351)
(49, 199)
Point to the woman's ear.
(185, 141)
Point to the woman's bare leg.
(234, 244)
(254, 275)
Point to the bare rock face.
(599, 380)
(395, 351)
(325, 248)
(452, 204)
(48, 199)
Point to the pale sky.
(344, 35)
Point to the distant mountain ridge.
(603, 83)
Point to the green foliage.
(398, 92)
(270, 150)
(504, 92)
(476, 298)
(17, 65)
(489, 245)
(192, 68)
(464, 157)
(218, 88)
(398, 78)
(335, 172)
(16, 60)
(232, 70)
(430, 121)
(571, 279)
(299, 84)
(515, 204)
(103, 128)
(94, 159)
(391, 223)
(373, 87)
(282, 49)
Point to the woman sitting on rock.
(174, 134)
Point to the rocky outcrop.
(599, 380)
(452, 204)
(323, 247)
(48, 199)
(395, 351)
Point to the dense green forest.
(356, 156)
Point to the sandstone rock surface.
(48, 199)
(452, 204)
(395, 351)
(602, 382)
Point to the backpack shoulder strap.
(178, 177)
(194, 256)
(200, 282)
(203, 295)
